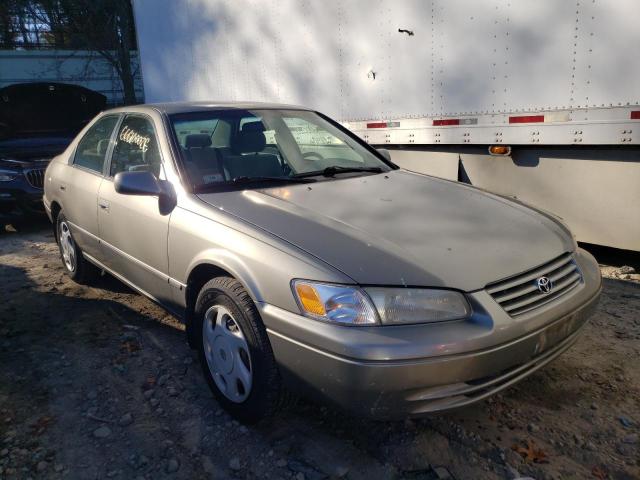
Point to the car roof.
(171, 108)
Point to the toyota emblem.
(544, 285)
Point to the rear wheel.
(74, 262)
(235, 353)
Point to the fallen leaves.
(129, 346)
(531, 453)
(599, 472)
(41, 425)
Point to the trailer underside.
(593, 189)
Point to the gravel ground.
(98, 382)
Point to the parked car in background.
(302, 259)
(37, 122)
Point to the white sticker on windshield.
(212, 178)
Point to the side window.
(136, 147)
(92, 149)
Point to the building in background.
(90, 43)
(80, 67)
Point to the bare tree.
(106, 27)
(54, 17)
(102, 26)
(7, 33)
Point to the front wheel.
(235, 353)
(74, 262)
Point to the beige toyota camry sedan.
(303, 260)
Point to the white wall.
(465, 56)
(437, 164)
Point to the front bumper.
(21, 202)
(392, 372)
(21, 198)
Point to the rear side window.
(92, 149)
(136, 147)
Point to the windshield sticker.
(132, 137)
(212, 178)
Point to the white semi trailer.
(437, 82)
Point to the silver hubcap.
(68, 247)
(227, 353)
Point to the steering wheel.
(312, 155)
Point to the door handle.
(103, 204)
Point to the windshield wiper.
(245, 179)
(332, 170)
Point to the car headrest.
(253, 127)
(197, 140)
(249, 142)
(102, 146)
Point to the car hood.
(31, 110)
(19, 165)
(403, 228)
(26, 150)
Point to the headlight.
(418, 305)
(334, 303)
(350, 305)
(7, 175)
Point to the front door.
(82, 183)
(133, 232)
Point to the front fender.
(231, 263)
(265, 265)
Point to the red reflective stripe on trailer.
(527, 119)
(377, 125)
(635, 115)
(446, 121)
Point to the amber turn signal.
(500, 150)
(310, 299)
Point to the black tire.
(80, 270)
(267, 395)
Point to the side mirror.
(385, 153)
(137, 183)
(146, 183)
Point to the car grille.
(35, 177)
(520, 294)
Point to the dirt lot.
(98, 382)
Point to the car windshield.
(242, 147)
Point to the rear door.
(132, 229)
(79, 189)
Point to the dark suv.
(37, 122)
